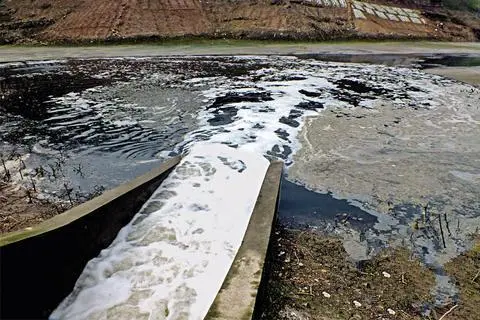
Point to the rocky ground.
(64, 21)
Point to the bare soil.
(465, 269)
(21, 209)
(65, 21)
(311, 277)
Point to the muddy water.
(339, 127)
(95, 123)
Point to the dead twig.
(448, 312)
(295, 253)
(441, 231)
(476, 276)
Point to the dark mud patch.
(233, 97)
(289, 121)
(300, 207)
(450, 61)
(223, 116)
(310, 105)
(359, 87)
(310, 277)
(385, 59)
(279, 152)
(424, 61)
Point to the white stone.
(416, 20)
(381, 8)
(357, 304)
(382, 15)
(390, 10)
(386, 274)
(390, 311)
(357, 5)
(392, 17)
(367, 5)
(370, 11)
(326, 294)
(359, 14)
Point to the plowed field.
(116, 20)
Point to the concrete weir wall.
(39, 266)
(241, 294)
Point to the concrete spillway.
(200, 252)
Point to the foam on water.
(165, 264)
(170, 261)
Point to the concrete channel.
(241, 295)
(40, 265)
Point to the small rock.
(281, 253)
(300, 264)
(357, 304)
(326, 294)
(386, 274)
(391, 311)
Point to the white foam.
(170, 261)
(172, 258)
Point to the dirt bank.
(64, 21)
(311, 277)
(20, 208)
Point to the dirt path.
(233, 47)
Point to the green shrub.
(472, 5)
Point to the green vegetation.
(471, 5)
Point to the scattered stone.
(386, 274)
(357, 304)
(326, 294)
(390, 311)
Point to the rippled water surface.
(92, 124)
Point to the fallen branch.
(476, 276)
(449, 311)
